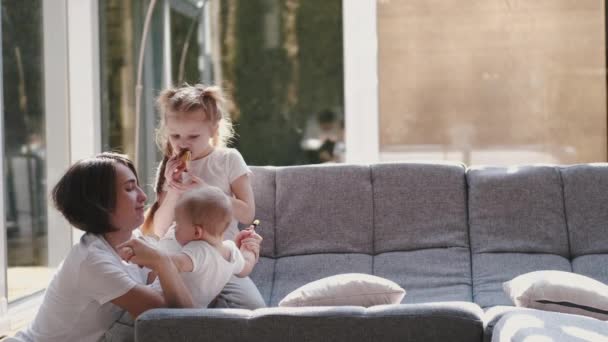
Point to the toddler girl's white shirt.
(220, 168)
(76, 305)
(211, 271)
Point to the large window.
(492, 82)
(24, 148)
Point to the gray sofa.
(447, 234)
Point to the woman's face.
(130, 199)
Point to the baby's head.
(202, 214)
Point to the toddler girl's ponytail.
(213, 104)
(147, 227)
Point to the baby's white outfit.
(210, 272)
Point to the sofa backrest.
(441, 232)
(531, 218)
(404, 222)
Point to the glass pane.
(118, 72)
(492, 82)
(121, 24)
(185, 49)
(282, 62)
(24, 147)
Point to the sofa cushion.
(263, 183)
(323, 209)
(428, 275)
(263, 277)
(537, 325)
(586, 195)
(419, 206)
(561, 292)
(517, 225)
(355, 289)
(593, 266)
(517, 209)
(420, 322)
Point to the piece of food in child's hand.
(256, 223)
(184, 156)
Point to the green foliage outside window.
(276, 86)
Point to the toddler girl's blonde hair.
(197, 99)
(190, 100)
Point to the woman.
(94, 286)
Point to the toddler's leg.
(239, 293)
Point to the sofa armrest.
(450, 321)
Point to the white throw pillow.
(346, 289)
(561, 292)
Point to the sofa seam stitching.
(468, 219)
(275, 259)
(561, 180)
(371, 179)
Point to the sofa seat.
(449, 321)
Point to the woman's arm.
(243, 201)
(141, 298)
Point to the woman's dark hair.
(86, 194)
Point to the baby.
(197, 247)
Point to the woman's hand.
(141, 253)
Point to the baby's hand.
(249, 240)
(141, 253)
(243, 234)
(126, 253)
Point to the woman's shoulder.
(93, 248)
(88, 251)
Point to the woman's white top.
(76, 305)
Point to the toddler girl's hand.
(180, 187)
(174, 169)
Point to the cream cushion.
(346, 289)
(561, 292)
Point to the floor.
(22, 282)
